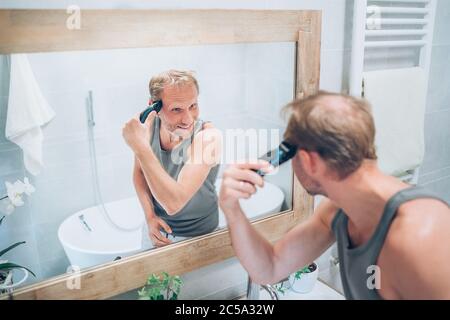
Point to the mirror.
(85, 211)
(248, 63)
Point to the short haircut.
(340, 128)
(170, 77)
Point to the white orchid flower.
(19, 187)
(14, 195)
(29, 189)
(14, 192)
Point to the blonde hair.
(170, 77)
(340, 128)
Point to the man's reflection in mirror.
(176, 162)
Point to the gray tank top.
(355, 261)
(201, 214)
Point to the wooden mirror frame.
(24, 31)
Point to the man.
(175, 162)
(386, 230)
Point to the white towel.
(28, 111)
(398, 98)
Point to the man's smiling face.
(180, 109)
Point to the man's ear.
(150, 101)
(308, 161)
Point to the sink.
(320, 292)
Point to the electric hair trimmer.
(157, 105)
(278, 156)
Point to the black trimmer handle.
(155, 106)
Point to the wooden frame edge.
(111, 29)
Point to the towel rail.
(397, 21)
(399, 10)
(390, 24)
(396, 44)
(404, 1)
(367, 27)
(393, 33)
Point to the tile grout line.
(436, 180)
(437, 170)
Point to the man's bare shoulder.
(206, 146)
(419, 216)
(208, 133)
(418, 238)
(419, 220)
(208, 125)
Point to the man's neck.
(363, 196)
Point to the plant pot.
(8, 282)
(307, 280)
(3, 276)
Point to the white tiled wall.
(336, 33)
(435, 172)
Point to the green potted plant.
(301, 281)
(304, 279)
(7, 269)
(162, 287)
(8, 204)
